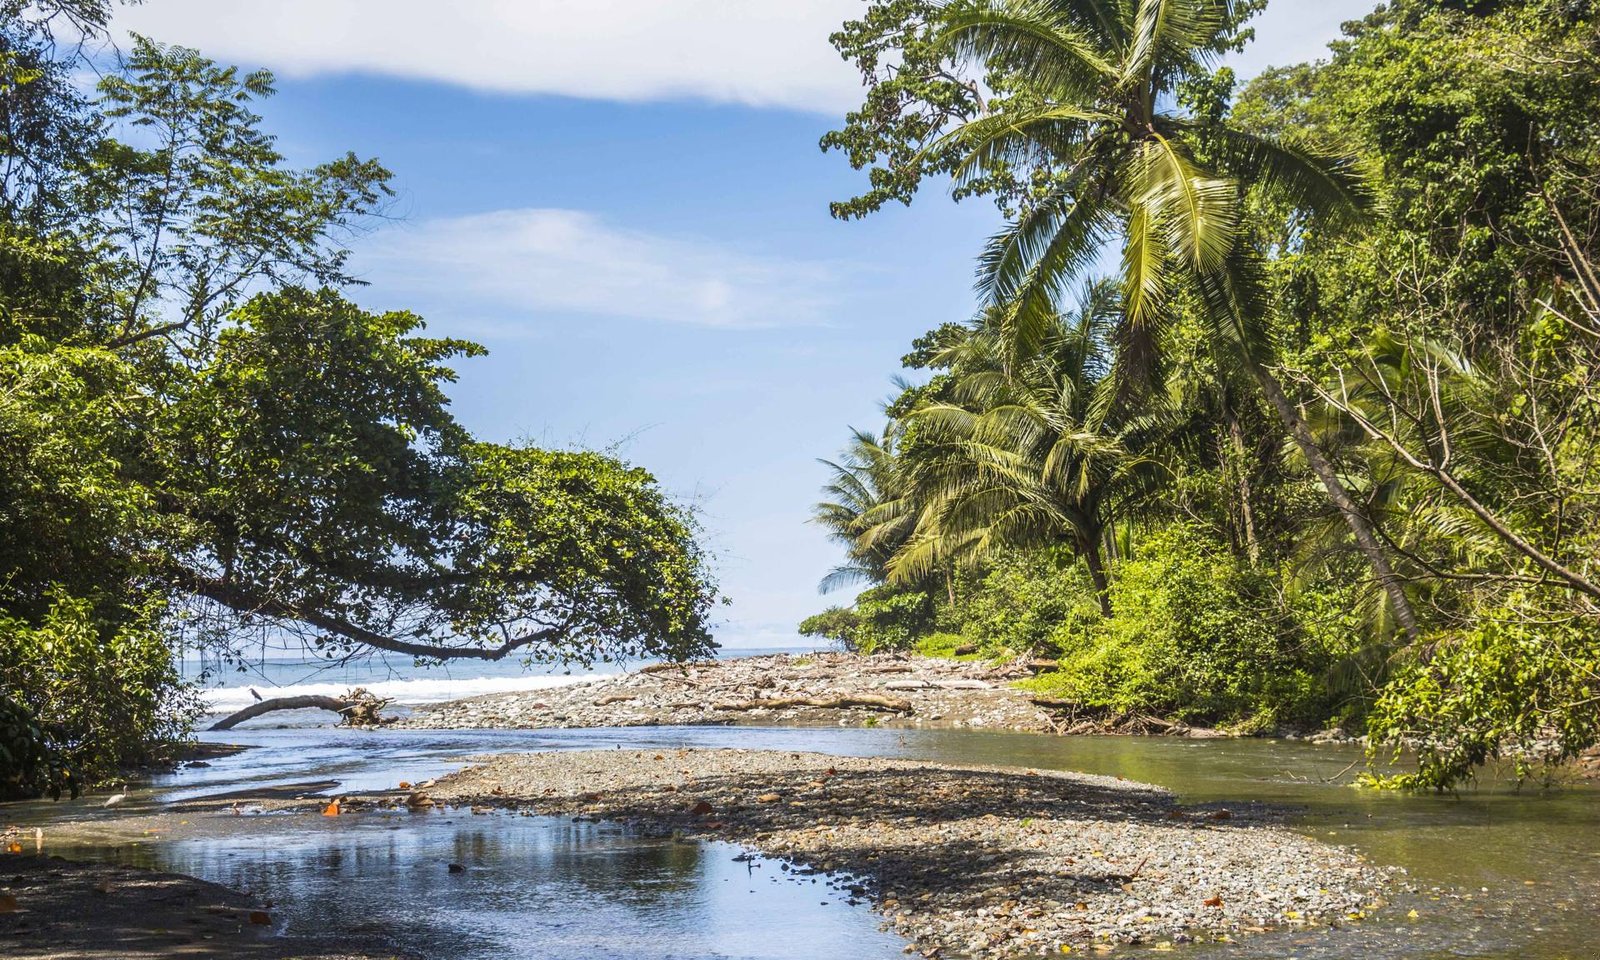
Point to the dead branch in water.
(358, 708)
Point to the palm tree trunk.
(1090, 548)
(1360, 526)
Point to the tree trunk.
(1090, 548)
(1242, 470)
(1360, 526)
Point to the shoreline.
(787, 689)
(960, 860)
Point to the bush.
(1192, 636)
(1521, 685)
(883, 618)
(86, 693)
(945, 646)
(30, 766)
(1028, 604)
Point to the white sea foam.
(404, 692)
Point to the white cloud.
(568, 260)
(758, 52)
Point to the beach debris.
(333, 809)
(359, 708)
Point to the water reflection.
(531, 887)
(536, 887)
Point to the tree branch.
(245, 600)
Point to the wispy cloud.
(538, 260)
(758, 52)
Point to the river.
(1502, 874)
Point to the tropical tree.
(865, 480)
(1095, 87)
(1019, 458)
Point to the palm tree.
(1018, 459)
(865, 480)
(1100, 77)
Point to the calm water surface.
(1501, 874)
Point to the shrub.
(1519, 684)
(87, 693)
(883, 618)
(1029, 603)
(1192, 636)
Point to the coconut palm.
(1018, 458)
(865, 480)
(1101, 78)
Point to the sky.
(624, 200)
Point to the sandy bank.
(962, 861)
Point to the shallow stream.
(1501, 874)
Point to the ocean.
(226, 688)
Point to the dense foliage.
(202, 440)
(1334, 457)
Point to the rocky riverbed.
(978, 862)
(888, 690)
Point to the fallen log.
(359, 709)
(866, 701)
(663, 667)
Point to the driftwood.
(615, 698)
(664, 667)
(358, 708)
(865, 700)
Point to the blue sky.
(624, 200)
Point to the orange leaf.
(1213, 901)
(405, 785)
(331, 810)
(13, 847)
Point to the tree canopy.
(206, 439)
(1363, 294)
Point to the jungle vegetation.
(1280, 408)
(202, 439)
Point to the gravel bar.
(846, 689)
(962, 861)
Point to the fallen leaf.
(260, 917)
(1213, 901)
(1413, 915)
